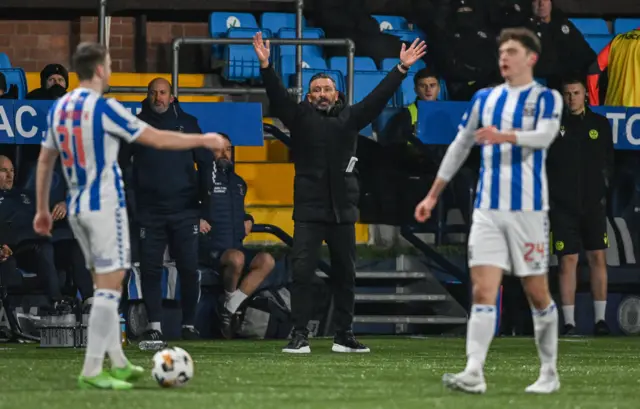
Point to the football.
(172, 367)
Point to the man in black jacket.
(579, 166)
(170, 196)
(243, 270)
(325, 204)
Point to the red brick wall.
(33, 44)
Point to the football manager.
(324, 133)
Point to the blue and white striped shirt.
(86, 129)
(512, 176)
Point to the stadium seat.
(381, 122)
(389, 63)
(17, 77)
(364, 82)
(407, 94)
(590, 26)
(221, 22)
(242, 62)
(408, 36)
(276, 21)
(598, 42)
(288, 64)
(392, 22)
(359, 64)
(4, 61)
(308, 73)
(623, 25)
(312, 33)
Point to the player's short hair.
(426, 72)
(524, 36)
(322, 75)
(86, 58)
(574, 80)
(225, 136)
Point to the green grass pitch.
(398, 373)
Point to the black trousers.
(37, 256)
(307, 242)
(180, 231)
(68, 256)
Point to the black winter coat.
(323, 145)
(17, 209)
(164, 181)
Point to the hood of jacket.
(153, 118)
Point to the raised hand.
(262, 49)
(213, 141)
(417, 50)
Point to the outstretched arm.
(372, 105)
(280, 103)
(456, 154)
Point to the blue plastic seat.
(242, 63)
(276, 21)
(4, 61)
(359, 64)
(624, 25)
(381, 121)
(408, 36)
(364, 82)
(311, 33)
(288, 64)
(589, 26)
(221, 21)
(389, 63)
(391, 22)
(17, 77)
(598, 42)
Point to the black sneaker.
(190, 334)
(228, 322)
(347, 342)
(601, 329)
(569, 330)
(152, 340)
(299, 344)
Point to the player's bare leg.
(545, 323)
(568, 266)
(104, 338)
(480, 329)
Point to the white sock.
(154, 326)
(545, 324)
(569, 315)
(100, 328)
(480, 329)
(114, 350)
(234, 300)
(599, 309)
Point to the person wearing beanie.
(54, 81)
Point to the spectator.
(221, 246)
(565, 52)
(54, 82)
(7, 92)
(170, 196)
(613, 79)
(579, 165)
(32, 252)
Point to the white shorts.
(103, 237)
(517, 242)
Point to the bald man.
(170, 197)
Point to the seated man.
(32, 252)
(224, 228)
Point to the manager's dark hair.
(225, 136)
(524, 36)
(322, 75)
(86, 58)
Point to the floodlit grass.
(399, 373)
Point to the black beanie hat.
(52, 69)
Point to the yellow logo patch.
(559, 245)
(593, 134)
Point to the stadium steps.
(401, 297)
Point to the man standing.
(324, 133)
(580, 164)
(170, 195)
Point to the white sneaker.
(469, 382)
(548, 382)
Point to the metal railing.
(178, 42)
